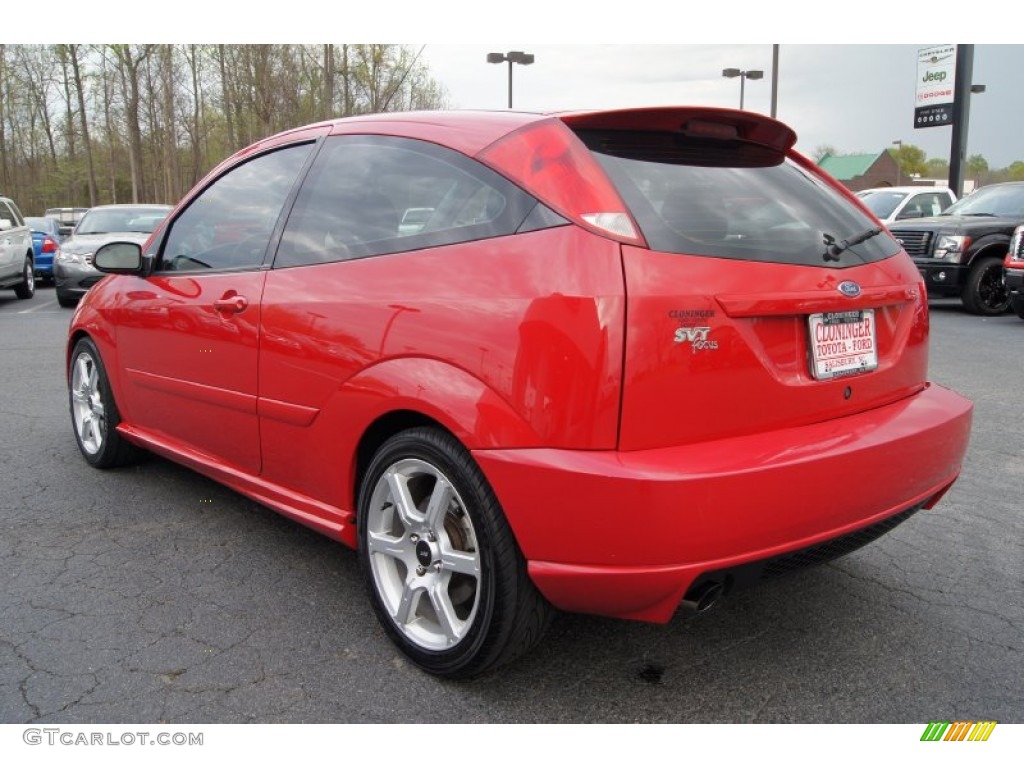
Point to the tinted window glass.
(882, 204)
(997, 200)
(369, 195)
(731, 199)
(6, 213)
(229, 225)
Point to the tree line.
(914, 161)
(84, 125)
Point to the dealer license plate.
(842, 343)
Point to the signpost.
(943, 97)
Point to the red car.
(1013, 272)
(613, 362)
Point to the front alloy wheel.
(445, 575)
(94, 413)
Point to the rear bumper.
(626, 534)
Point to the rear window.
(731, 199)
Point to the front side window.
(732, 199)
(229, 225)
(370, 195)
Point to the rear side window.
(731, 199)
(371, 195)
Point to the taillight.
(552, 164)
(49, 245)
(1016, 254)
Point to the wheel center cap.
(423, 553)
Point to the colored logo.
(849, 288)
(959, 731)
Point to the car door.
(12, 242)
(188, 333)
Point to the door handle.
(231, 304)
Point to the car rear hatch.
(760, 296)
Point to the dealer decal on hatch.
(694, 335)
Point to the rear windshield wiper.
(978, 214)
(833, 248)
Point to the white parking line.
(37, 307)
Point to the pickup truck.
(961, 251)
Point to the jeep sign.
(936, 75)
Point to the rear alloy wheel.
(445, 575)
(94, 413)
(26, 289)
(984, 292)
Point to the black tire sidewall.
(972, 291)
(27, 288)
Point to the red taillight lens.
(49, 245)
(552, 164)
(1016, 254)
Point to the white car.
(892, 204)
(17, 269)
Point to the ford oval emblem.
(849, 288)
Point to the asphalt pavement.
(151, 594)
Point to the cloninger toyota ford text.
(612, 362)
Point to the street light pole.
(512, 57)
(753, 74)
(899, 148)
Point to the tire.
(94, 414)
(445, 575)
(26, 289)
(984, 292)
(67, 300)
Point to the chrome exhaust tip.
(702, 597)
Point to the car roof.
(471, 131)
(123, 206)
(920, 188)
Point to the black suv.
(960, 252)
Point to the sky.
(856, 98)
(854, 92)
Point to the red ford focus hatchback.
(611, 362)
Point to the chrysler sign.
(936, 76)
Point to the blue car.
(45, 243)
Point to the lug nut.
(420, 570)
(414, 538)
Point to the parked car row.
(59, 246)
